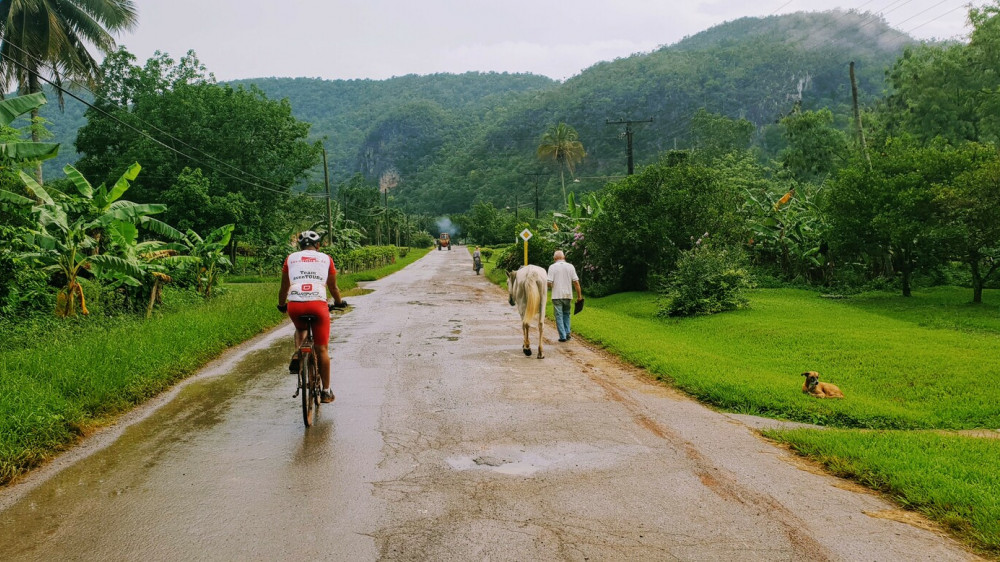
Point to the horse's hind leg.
(540, 339)
(526, 346)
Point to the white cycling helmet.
(308, 238)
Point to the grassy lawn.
(84, 371)
(919, 364)
(950, 478)
(902, 363)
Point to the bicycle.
(310, 384)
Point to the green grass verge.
(902, 363)
(61, 379)
(950, 478)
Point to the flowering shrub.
(707, 280)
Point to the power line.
(282, 190)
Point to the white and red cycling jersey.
(308, 272)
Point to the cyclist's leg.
(295, 310)
(323, 357)
(321, 341)
(300, 336)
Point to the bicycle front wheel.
(306, 375)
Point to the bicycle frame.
(309, 383)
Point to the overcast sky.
(384, 38)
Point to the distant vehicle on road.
(444, 241)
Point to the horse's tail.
(534, 301)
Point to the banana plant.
(789, 229)
(69, 226)
(210, 256)
(24, 151)
(152, 259)
(566, 226)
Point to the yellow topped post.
(525, 235)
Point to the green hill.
(458, 139)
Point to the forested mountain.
(457, 139)
(452, 148)
(757, 69)
(371, 126)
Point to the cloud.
(383, 38)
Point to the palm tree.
(41, 38)
(561, 144)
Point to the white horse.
(528, 288)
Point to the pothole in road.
(516, 461)
(490, 461)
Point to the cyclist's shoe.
(293, 365)
(326, 396)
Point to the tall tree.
(970, 210)
(250, 149)
(40, 38)
(562, 145)
(887, 215)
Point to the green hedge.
(362, 259)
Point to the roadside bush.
(421, 240)
(362, 259)
(648, 218)
(706, 281)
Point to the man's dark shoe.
(568, 337)
(562, 339)
(326, 396)
(293, 365)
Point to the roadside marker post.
(525, 235)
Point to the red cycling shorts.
(321, 326)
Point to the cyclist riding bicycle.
(305, 277)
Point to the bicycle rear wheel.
(306, 375)
(317, 383)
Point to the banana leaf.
(116, 264)
(22, 151)
(36, 189)
(81, 183)
(11, 197)
(11, 108)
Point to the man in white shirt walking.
(562, 280)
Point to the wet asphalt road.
(445, 443)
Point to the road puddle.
(527, 461)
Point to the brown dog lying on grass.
(819, 389)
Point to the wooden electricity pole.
(329, 211)
(628, 137)
(857, 118)
(535, 175)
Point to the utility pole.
(535, 175)
(857, 118)
(628, 137)
(329, 211)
